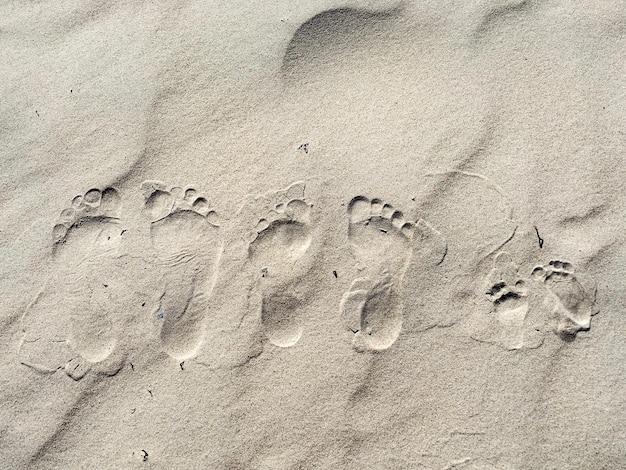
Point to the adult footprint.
(278, 254)
(72, 322)
(573, 306)
(507, 292)
(187, 241)
(381, 241)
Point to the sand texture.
(297, 235)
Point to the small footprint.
(573, 307)
(508, 293)
(72, 323)
(188, 244)
(277, 251)
(381, 241)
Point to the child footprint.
(278, 254)
(381, 241)
(507, 291)
(573, 306)
(75, 307)
(186, 237)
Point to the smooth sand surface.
(360, 235)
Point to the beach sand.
(370, 234)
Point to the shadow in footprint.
(73, 323)
(187, 242)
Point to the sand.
(344, 235)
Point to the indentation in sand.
(72, 323)
(333, 34)
(381, 241)
(509, 325)
(573, 306)
(188, 244)
(277, 254)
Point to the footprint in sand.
(187, 242)
(278, 255)
(573, 307)
(507, 292)
(72, 323)
(381, 241)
